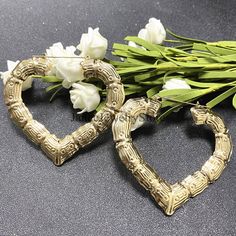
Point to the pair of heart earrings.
(169, 197)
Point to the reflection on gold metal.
(170, 197)
(59, 150)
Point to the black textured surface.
(93, 194)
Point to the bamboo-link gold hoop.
(170, 197)
(59, 150)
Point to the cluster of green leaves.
(206, 66)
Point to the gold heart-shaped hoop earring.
(59, 150)
(170, 197)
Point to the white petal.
(7, 74)
(12, 64)
(143, 34)
(176, 84)
(132, 44)
(139, 122)
(81, 112)
(27, 84)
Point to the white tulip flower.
(11, 65)
(84, 96)
(176, 84)
(154, 32)
(93, 44)
(66, 64)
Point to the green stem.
(54, 94)
(184, 38)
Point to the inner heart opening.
(175, 148)
(58, 116)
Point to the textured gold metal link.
(59, 150)
(170, 197)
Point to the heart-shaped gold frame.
(59, 150)
(170, 197)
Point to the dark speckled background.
(93, 194)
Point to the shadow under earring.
(170, 197)
(59, 150)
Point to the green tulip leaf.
(234, 101)
(221, 97)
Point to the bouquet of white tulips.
(67, 72)
(179, 68)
